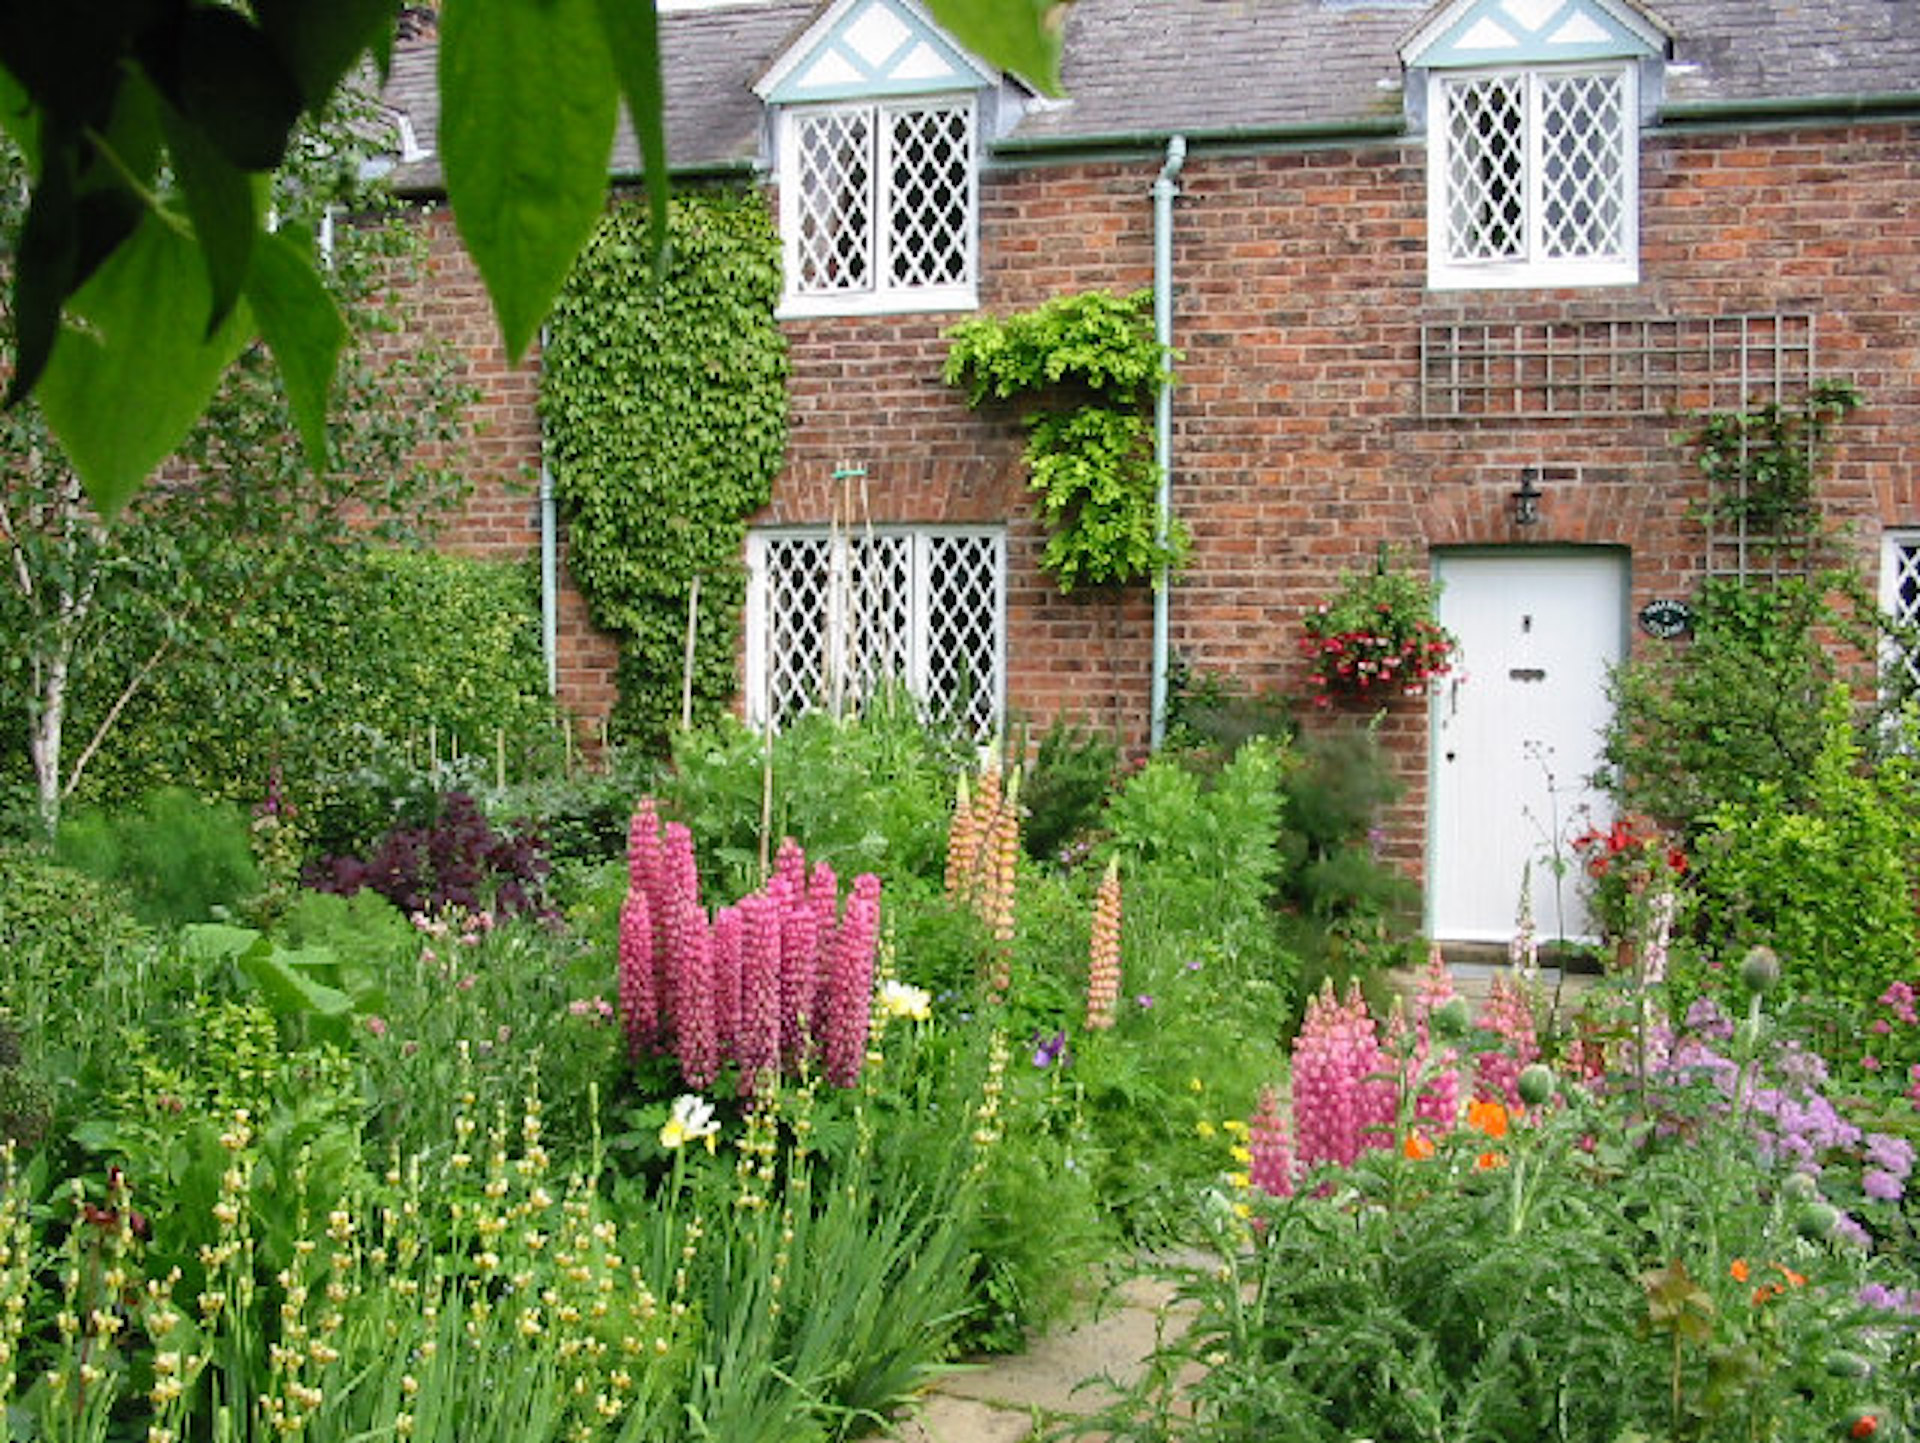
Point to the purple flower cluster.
(782, 977)
(1793, 1121)
(1889, 1300)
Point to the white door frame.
(1568, 647)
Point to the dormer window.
(877, 205)
(876, 122)
(1533, 111)
(1535, 177)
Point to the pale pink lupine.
(1270, 1160)
(1508, 1014)
(639, 1006)
(1439, 1100)
(756, 1043)
(1342, 1101)
(1103, 965)
(849, 983)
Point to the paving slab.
(943, 1419)
(1063, 1370)
(1009, 1398)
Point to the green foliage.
(664, 400)
(1762, 464)
(1210, 714)
(351, 685)
(1700, 725)
(866, 793)
(1586, 1276)
(1206, 853)
(1345, 912)
(1826, 879)
(54, 919)
(1096, 359)
(1065, 787)
(94, 611)
(176, 857)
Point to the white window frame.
(920, 541)
(1445, 272)
(1893, 542)
(882, 298)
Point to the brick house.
(1420, 257)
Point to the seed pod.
(1761, 969)
(1817, 1220)
(1536, 1084)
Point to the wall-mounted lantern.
(1526, 501)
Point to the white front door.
(1517, 735)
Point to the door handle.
(1528, 673)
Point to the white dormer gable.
(871, 49)
(1466, 33)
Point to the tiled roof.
(1147, 68)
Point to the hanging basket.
(1376, 638)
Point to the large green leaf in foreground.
(134, 367)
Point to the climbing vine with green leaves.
(665, 406)
(1094, 362)
(1763, 463)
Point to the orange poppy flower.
(1488, 1160)
(1489, 1118)
(1739, 1270)
(1794, 1280)
(1417, 1147)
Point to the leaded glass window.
(834, 616)
(1535, 177)
(878, 205)
(1900, 599)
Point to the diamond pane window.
(1534, 178)
(1900, 593)
(833, 245)
(877, 206)
(832, 617)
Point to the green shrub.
(867, 793)
(54, 918)
(1208, 853)
(1826, 878)
(1703, 724)
(176, 857)
(1065, 788)
(1345, 912)
(358, 689)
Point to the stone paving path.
(1017, 1398)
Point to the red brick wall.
(1299, 443)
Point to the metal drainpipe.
(1164, 190)
(549, 557)
(549, 579)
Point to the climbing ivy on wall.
(665, 406)
(1093, 363)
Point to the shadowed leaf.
(133, 367)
